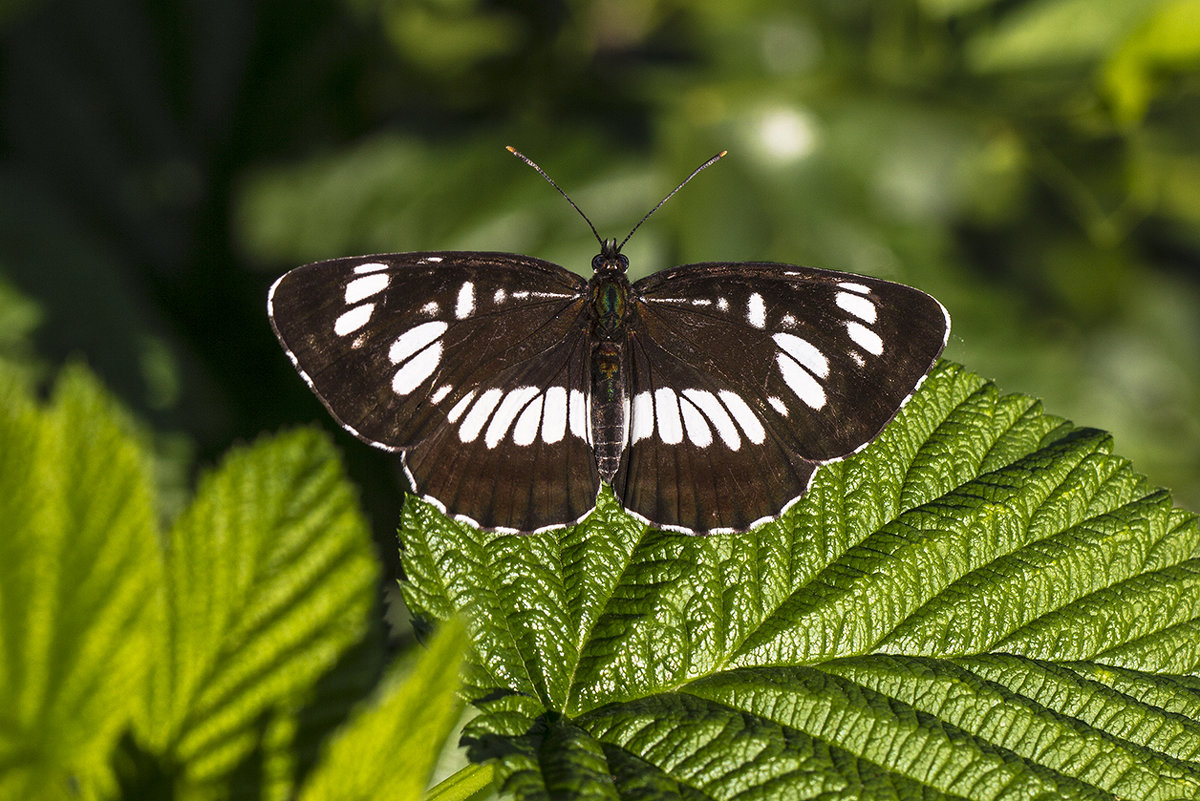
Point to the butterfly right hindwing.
(701, 457)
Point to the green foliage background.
(1033, 163)
(235, 653)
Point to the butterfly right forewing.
(390, 343)
(473, 365)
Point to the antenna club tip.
(510, 148)
(720, 155)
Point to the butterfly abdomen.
(610, 308)
(608, 408)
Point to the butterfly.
(705, 395)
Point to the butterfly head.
(609, 260)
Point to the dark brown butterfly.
(706, 395)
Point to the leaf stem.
(462, 785)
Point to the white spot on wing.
(695, 424)
(744, 415)
(430, 308)
(625, 403)
(466, 300)
(509, 408)
(526, 429)
(440, 393)
(577, 415)
(641, 417)
(860, 307)
(430, 260)
(460, 407)
(370, 267)
(779, 405)
(861, 289)
(554, 418)
(666, 416)
(414, 339)
(417, 369)
(351, 321)
(867, 339)
(499, 296)
(363, 288)
(708, 403)
(800, 382)
(787, 321)
(722, 304)
(472, 424)
(756, 311)
(587, 410)
(804, 352)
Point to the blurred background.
(1035, 164)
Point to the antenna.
(542, 172)
(670, 194)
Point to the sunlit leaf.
(269, 582)
(19, 317)
(1167, 42)
(950, 8)
(388, 749)
(985, 603)
(78, 561)
(1054, 33)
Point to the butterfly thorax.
(609, 303)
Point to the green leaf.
(1054, 33)
(983, 604)
(270, 578)
(1168, 41)
(78, 558)
(389, 748)
(19, 318)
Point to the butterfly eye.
(606, 262)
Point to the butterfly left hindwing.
(446, 356)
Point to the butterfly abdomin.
(706, 395)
